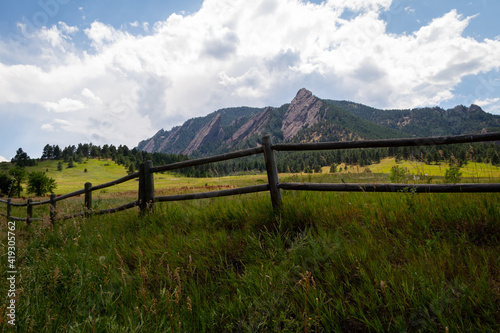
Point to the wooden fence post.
(88, 199)
(9, 209)
(272, 174)
(146, 188)
(53, 209)
(29, 211)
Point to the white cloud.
(410, 10)
(100, 33)
(490, 104)
(65, 105)
(238, 52)
(91, 97)
(3, 159)
(62, 122)
(67, 29)
(47, 127)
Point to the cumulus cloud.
(491, 104)
(47, 127)
(68, 29)
(3, 159)
(65, 105)
(91, 97)
(230, 53)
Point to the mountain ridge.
(308, 118)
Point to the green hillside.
(340, 124)
(72, 179)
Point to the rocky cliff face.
(303, 112)
(211, 132)
(255, 125)
(202, 135)
(161, 140)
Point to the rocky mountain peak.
(303, 112)
(472, 109)
(475, 108)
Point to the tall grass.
(331, 262)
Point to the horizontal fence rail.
(147, 198)
(430, 141)
(207, 160)
(418, 188)
(115, 182)
(214, 194)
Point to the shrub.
(39, 184)
(6, 184)
(399, 174)
(452, 174)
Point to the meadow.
(329, 262)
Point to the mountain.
(311, 119)
(433, 121)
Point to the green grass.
(331, 262)
(103, 171)
(470, 170)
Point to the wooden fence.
(146, 191)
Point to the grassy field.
(103, 171)
(329, 262)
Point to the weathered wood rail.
(146, 191)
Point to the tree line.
(292, 162)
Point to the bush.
(6, 184)
(452, 174)
(399, 174)
(39, 184)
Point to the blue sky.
(117, 71)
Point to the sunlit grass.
(470, 170)
(330, 262)
(103, 171)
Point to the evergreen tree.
(495, 159)
(47, 152)
(19, 175)
(56, 152)
(22, 159)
